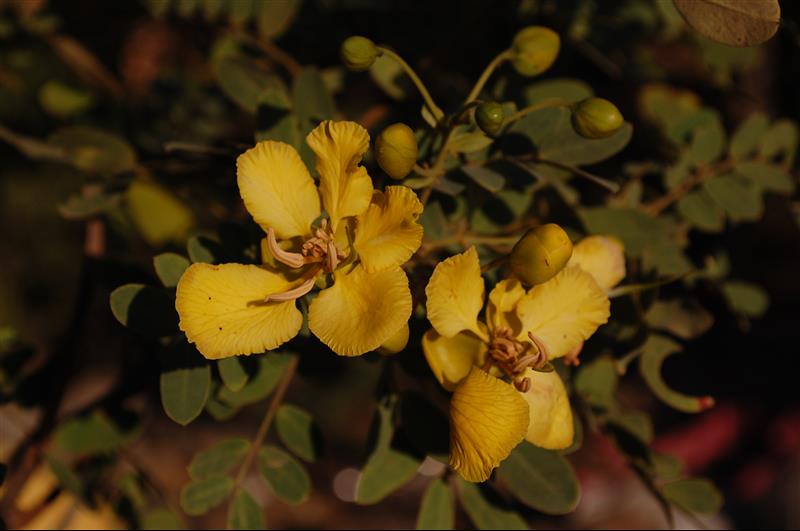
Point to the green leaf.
(64, 101)
(684, 318)
(243, 81)
(484, 513)
(146, 310)
(275, 119)
(161, 518)
(767, 176)
(434, 221)
(295, 427)
(732, 22)
(94, 151)
(489, 179)
(541, 479)
(159, 215)
(232, 373)
(747, 136)
(701, 211)
(636, 423)
(219, 459)
(199, 497)
(270, 369)
(285, 475)
(597, 383)
(694, 495)
(67, 477)
(185, 384)
(387, 468)
(437, 510)
(780, 139)
(312, 101)
(274, 18)
(204, 249)
(740, 198)
(746, 298)
(557, 89)
(94, 434)
(708, 142)
(634, 228)
(655, 350)
(81, 207)
(563, 144)
(245, 513)
(169, 268)
(466, 141)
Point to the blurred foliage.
(119, 148)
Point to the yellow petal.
(503, 301)
(455, 294)
(222, 310)
(387, 234)
(603, 257)
(488, 418)
(345, 186)
(277, 189)
(361, 310)
(451, 358)
(564, 311)
(551, 424)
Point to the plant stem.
(608, 185)
(426, 96)
(702, 174)
(263, 429)
(525, 111)
(486, 74)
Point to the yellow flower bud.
(596, 118)
(489, 116)
(396, 150)
(540, 254)
(396, 343)
(358, 53)
(534, 49)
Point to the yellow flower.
(343, 229)
(522, 332)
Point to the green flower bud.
(358, 53)
(540, 254)
(534, 49)
(596, 118)
(490, 116)
(396, 150)
(396, 343)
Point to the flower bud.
(396, 343)
(596, 118)
(534, 49)
(489, 116)
(396, 150)
(358, 53)
(540, 254)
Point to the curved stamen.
(541, 347)
(292, 294)
(333, 257)
(294, 260)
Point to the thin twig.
(263, 429)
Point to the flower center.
(513, 356)
(319, 249)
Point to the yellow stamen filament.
(293, 260)
(512, 355)
(294, 293)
